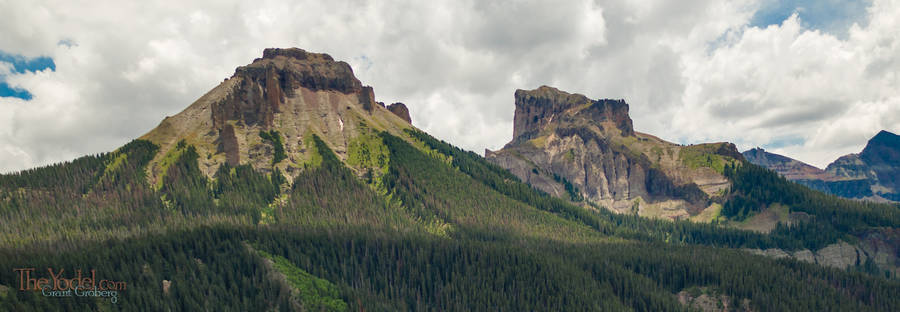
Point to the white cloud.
(691, 70)
(787, 83)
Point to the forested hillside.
(218, 268)
(449, 231)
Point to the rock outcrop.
(228, 144)
(400, 110)
(587, 151)
(877, 249)
(292, 92)
(710, 300)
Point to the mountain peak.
(548, 92)
(882, 156)
(790, 168)
(762, 157)
(545, 106)
(280, 74)
(873, 173)
(587, 151)
(287, 95)
(885, 138)
(884, 147)
(291, 68)
(295, 53)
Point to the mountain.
(878, 163)
(289, 91)
(790, 168)
(587, 150)
(870, 175)
(288, 187)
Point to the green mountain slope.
(513, 251)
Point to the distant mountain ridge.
(790, 168)
(873, 174)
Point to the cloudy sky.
(809, 79)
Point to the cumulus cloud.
(833, 16)
(823, 95)
(692, 70)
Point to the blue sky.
(831, 16)
(21, 65)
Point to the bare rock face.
(587, 151)
(229, 145)
(588, 163)
(839, 255)
(773, 253)
(537, 108)
(291, 92)
(804, 255)
(400, 110)
(707, 300)
(367, 98)
(313, 71)
(880, 247)
(267, 82)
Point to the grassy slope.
(314, 293)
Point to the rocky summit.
(536, 109)
(289, 92)
(587, 151)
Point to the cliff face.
(537, 108)
(268, 82)
(289, 91)
(873, 174)
(880, 247)
(587, 151)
